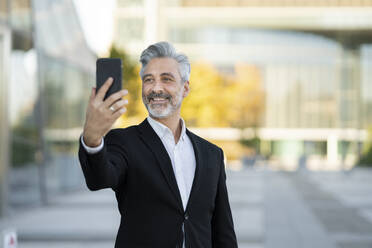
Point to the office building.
(314, 58)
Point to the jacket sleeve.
(223, 234)
(106, 168)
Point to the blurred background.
(283, 86)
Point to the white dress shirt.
(92, 150)
(181, 154)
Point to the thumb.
(93, 93)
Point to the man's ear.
(186, 87)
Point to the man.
(169, 183)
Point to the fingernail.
(111, 79)
(125, 101)
(122, 111)
(125, 91)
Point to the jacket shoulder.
(205, 143)
(118, 133)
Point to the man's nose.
(157, 86)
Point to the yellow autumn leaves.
(232, 98)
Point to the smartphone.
(109, 67)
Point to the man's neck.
(173, 122)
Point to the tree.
(247, 103)
(366, 158)
(206, 104)
(132, 82)
(216, 99)
(247, 97)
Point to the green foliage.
(220, 100)
(131, 80)
(205, 106)
(253, 143)
(25, 140)
(366, 158)
(245, 97)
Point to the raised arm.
(103, 163)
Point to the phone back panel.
(109, 67)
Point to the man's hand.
(101, 115)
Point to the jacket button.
(186, 216)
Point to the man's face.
(162, 87)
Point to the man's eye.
(167, 79)
(147, 80)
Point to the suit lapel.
(199, 168)
(153, 142)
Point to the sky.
(97, 20)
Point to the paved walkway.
(270, 209)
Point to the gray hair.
(165, 49)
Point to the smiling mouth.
(159, 100)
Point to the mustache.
(153, 95)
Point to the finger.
(115, 97)
(102, 91)
(92, 94)
(119, 112)
(119, 104)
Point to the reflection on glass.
(66, 92)
(23, 110)
(54, 84)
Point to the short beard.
(172, 106)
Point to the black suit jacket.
(136, 165)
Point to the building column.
(151, 21)
(349, 100)
(332, 149)
(4, 126)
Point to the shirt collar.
(161, 130)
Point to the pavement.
(270, 209)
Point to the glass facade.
(48, 89)
(300, 96)
(366, 86)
